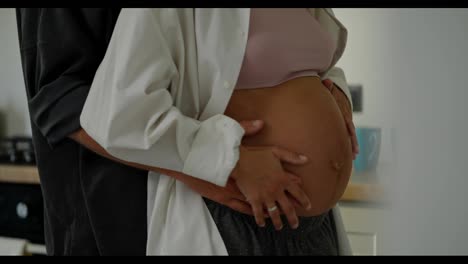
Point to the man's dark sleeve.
(61, 49)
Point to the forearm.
(229, 195)
(84, 139)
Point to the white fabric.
(158, 99)
(12, 246)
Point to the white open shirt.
(158, 99)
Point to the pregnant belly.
(302, 116)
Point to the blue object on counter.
(369, 140)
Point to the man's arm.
(81, 137)
(228, 195)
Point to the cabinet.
(364, 225)
(21, 216)
(362, 222)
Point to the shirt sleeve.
(131, 113)
(61, 48)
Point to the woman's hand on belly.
(260, 176)
(230, 195)
(345, 107)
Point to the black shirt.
(92, 205)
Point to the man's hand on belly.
(345, 107)
(229, 195)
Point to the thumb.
(251, 127)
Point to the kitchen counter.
(19, 174)
(355, 192)
(363, 192)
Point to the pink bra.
(283, 44)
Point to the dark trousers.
(242, 236)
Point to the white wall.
(413, 64)
(368, 60)
(13, 104)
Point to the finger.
(288, 210)
(295, 178)
(352, 134)
(273, 211)
(251, 127)
(289, 156)
(355, 144)
(234, 191)
(241, 207)
(257, 209)
(295, 203)
(353, 140)
(328, 83)
(298, 194)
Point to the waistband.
(306, 224)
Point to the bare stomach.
(301, 115)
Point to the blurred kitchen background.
(408, 69)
